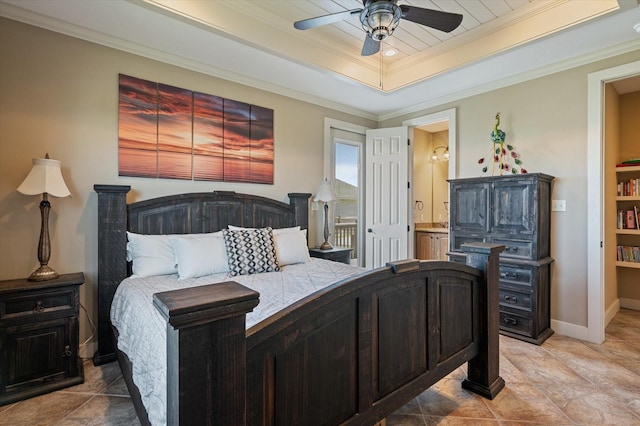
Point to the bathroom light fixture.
(440, 153)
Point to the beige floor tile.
(591, 406)
(96, 379)
(117, 410)
(604, 373)
(524, 402)
(46, 409)
(547, 371)
(399, 419)
(458, 421)
(617, 350)
(447, 398)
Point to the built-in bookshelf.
(628, 217)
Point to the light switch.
(558, 205)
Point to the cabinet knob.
(511, 299)
(510, 320)
(511, 275)
(67, 351)
(39, 307)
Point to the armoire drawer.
(518, 249)
(515, 299)
(515, 275)
(457, 239)
(516, 323)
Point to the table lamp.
(325, 194)
(44, 178)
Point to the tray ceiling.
(489, 27)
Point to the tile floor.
(562, 382)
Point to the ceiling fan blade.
(443, 21)
(318, 21)
(371, 46)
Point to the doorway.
(343, 166)
(596, 308)
(436, 122)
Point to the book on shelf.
(630, 220)
(630, 162)
(628, 254)
(630, 188)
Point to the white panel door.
(386, 176)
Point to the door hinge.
(408, 185)
(408, 228)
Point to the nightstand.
(337, 254)
(39, 328)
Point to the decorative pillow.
(150, 255)
(250, 251)
(198, 255)
(291, 247)
(290, 244)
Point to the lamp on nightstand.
(44, 178)
(325, 194)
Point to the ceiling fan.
(380, 18)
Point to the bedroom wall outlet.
(314, 205)
(558, 205)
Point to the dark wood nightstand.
(39, 328)
(337, 254)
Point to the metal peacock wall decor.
(502, 156)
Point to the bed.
(350, 353)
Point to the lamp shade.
(325, 192)
(44, 177)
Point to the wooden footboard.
(350, 354)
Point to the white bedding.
(142, 329)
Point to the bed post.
(112, 264)
(206, 353)
(300, 204)
(483, 372)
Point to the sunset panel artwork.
(208, 141)
(137, 127)
(168, 132)
(175, 118)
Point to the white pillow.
(151, 255)
(291, 247)
(198, 255)
(290, 244)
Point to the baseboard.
(630, 304)
(570, 330)
(611, 311)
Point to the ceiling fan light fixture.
(380, 20)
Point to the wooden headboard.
(175, 214)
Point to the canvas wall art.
(174, 133)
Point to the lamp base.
(43, 273)
(326, 246)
